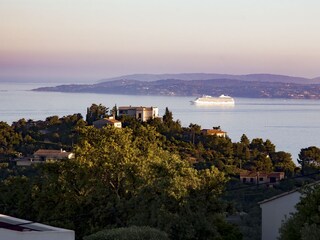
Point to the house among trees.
(43, 155)
(217, 132)
(14, 228)
(140, 113)
(261, 178)
(107, 121)
(46, 155)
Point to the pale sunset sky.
(87, 40)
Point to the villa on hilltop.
(140, 113)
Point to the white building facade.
(140, 113)
(18, 229)
(275, 210)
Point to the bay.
(289, 124)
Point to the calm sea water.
(289, 124)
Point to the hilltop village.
(129, 167)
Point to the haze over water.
(82, 40)
(289, 124)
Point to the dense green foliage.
(309, 158)
(53, 133)
(96, 112)
(120, 179)
(25, 137)
(129, 233)
(158, 174)
(8, 140)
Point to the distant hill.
(211, 76)
(214, 87)
(317, 79)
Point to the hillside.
(210, 76)
(214, 87)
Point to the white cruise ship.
(208, 100)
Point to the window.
(261, 179)
(273, 179)
(251, 179)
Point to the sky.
(88, 40)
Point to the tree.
(53, 120)
(263, 163)
(167, 117)
(120, 179)
(169, 127)
(15, 196)
(114, 111)
(305, 223)
(129, 233)
(282, 162)
(258, 144)
(8, 140)
(245, 140)
(241, 154)
(269, 146)
(309, 159)
(195, 129)
(96, 112)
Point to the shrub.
(129, 233)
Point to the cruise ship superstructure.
(209, 100)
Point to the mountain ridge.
(214, 87)
(260, 77)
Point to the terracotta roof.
(106, 120)
(276, 174)
(111, 120)
(260, 174)
(253, 174)
(136, 108)
(213, 131)
(50, 153)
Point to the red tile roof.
(261, 174)
(52, 153)
(213, 131)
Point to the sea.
(290, 124)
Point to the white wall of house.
(274, 211)
(6, 234)
(31, 230)
(155, 112)
(117, 124)
(141, 113)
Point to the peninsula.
(195, 84)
